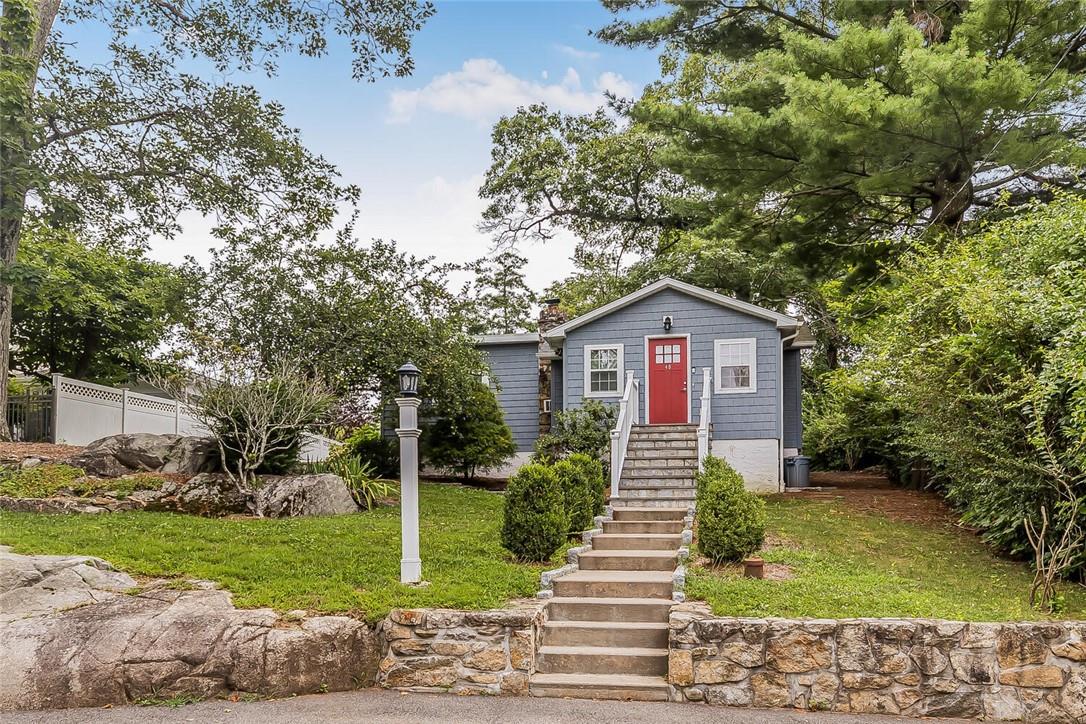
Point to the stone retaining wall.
(1007, 672)
(463, 652)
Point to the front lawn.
(336, 564)
(851, 563)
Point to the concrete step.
(636, 463)
(617, 503)
(652, 473)
(662, 453)
(599, 686)
(628, 560)
(651, 443)
(691, 427)
(637, 542)
(658, 437)
(658, 483)
(615, 584)
(642, 526)
(601, 660)
(632, 512)
(609, 609)
(679, 492)
(641, 634)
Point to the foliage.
(848, 422)
(257, 418)
(334, 564)
(360, 477)
(585, 429)
(118, 146)
(89, 311)
(374, 450)
(473, 438)
(503, 300)
(981, 343)
(731, 520)
(592, 470)
(852, 563)
(578, 494)
(348, 312)
(40, 481)
(534, 522)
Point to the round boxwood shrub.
(534, 522)
(597, 482)
(577, 494)
(731, 520)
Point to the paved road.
(375, 705)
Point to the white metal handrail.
(628, 414)
(705, 415)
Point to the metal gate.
(30, 417)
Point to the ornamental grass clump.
(578, 495)
(731, 520)
(534, 521)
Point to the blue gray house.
(668, 354)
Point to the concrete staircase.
(606, 635)
(660, 464)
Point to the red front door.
(667, 381)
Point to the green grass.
(851, 564)
(334, 564)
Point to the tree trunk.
(953, 195)
(21, 54)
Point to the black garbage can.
(790, 472)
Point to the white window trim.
(588, 350)
(752, 342)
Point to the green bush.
(597, 481)
(534, 521)
(374, 450)
(361, 478)
(474, 437)
(578, 496)
(583, 430)
(731, 520)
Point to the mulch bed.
(17, 451)
(869, 491)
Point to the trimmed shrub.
(597, 481)
(578, 496)
(473, 438)
(586, 429)
(731, 520)
(534, 521)
(375, 451)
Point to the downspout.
(780, 409)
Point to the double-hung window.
(736, 365)
(603, 370)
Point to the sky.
(418, 146)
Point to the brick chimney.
(549, 317)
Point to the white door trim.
(689, 357)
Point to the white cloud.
(577, 52)
(482, 90)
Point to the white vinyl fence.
(84, 412)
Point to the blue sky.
(418, 146)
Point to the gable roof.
(489, 340)
(783, 321)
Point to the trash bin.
(790, 472)
(803, 471)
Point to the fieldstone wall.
(1006, 672)
(463, 652)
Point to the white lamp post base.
(410, 570)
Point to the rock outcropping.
(117, 455)
(289, 496)
(72, 636)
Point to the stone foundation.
(463, 652)
(1005, 672)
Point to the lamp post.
(408, 432)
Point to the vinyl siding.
(515, 369)
(793, 399)
(556, 385)
(744, 416)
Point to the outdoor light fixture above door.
(667, 323)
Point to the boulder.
(118, 455)
(71, 637)
(319, 494)
(208, 494)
